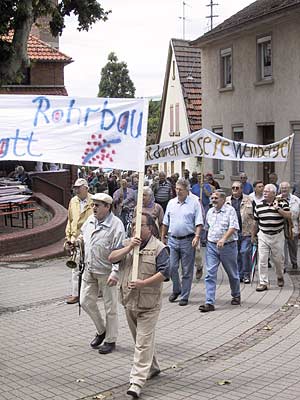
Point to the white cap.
(81, 182)
(102, 197)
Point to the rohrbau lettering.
(74, 130)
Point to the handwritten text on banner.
(109, 133)
(205, 143)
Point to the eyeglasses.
(235, 187)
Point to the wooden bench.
(25, 213)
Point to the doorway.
(267, 135)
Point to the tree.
(115, 80)
(18, 16)
(153, 121)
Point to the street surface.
(237, 352)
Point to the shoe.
(261, 288)
(183, 302)
(284, 270)
(199, 273)
(107, 348)
(269, 264)
(72, 300)
(173, 297)
(241, 280)
(134, 390)
(295, 266)
(98, 339)
(280, 282)
(153, 373)
(207, 307)
(246, 280)
(236, 301)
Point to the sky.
(139, 32)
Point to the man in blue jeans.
(223, 225)
(183, 223)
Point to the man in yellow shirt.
(80, 208)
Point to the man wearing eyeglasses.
(244, 210)
(222, 225)
(101, 233)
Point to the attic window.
(173, 70)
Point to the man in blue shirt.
(247, 187)
(182, 226)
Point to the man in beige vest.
(142, 298)
(80, 208)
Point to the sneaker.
(153, 373)
(247, 280)
(295, 266)
(236, 301)
(183, 302)
(98, 339)
(72, 300)
(280, 282)
(261, 288)
(173, 297)
(107, 348)
(207, 307)
(134, 390)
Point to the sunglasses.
(235, 187)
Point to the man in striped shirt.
(269, 216)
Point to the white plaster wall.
(249, 104)
(174, 95)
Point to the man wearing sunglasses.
(244, 210)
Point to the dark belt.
(273, 233)
(183, 237)
(224, 243)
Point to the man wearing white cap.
(101, 233)
(80, 208)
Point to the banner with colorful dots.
(106, 133)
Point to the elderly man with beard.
(101, 233)
(222, 225)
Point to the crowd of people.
(180, 217)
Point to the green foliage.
(115, 80)
(19, 15)
(153, 121)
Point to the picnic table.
(17, 207)
(12, 190)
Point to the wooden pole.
(138, 223)
(201, 178)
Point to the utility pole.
(211, 16)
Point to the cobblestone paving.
(45, 353)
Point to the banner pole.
(138, 223)
(201, 177)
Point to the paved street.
(45, 351)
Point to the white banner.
(106, 133)
(205, 143)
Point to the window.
(171, 120)
(218, 165)
(264, 58)
(226, 68)
(173, 70)
(177, 131)
(238, 136)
